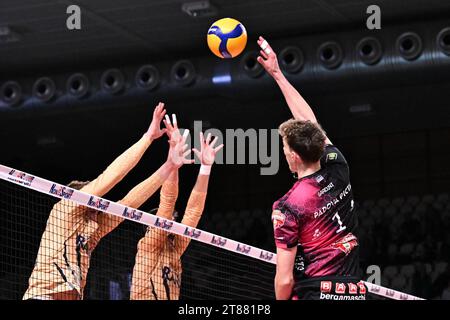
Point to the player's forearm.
(197, 199)
(283, 287)
(128, 159)
(194, 208)
(300, 109)
(201, 185)
(139, 194)
(192, 215)
(119, 168)
(169, 195)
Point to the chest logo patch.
(332, 156)
(278, 218)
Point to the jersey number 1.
(341, 226)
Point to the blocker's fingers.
(167, 119)
(185, 135)
(214, 142)
(186, 153)
(217, 149)
(174, 119)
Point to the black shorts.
(330, 288)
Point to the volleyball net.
(35, 218)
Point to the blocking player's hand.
(207, 153)
(172, 129)
(154, 131)
(179, 152)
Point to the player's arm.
(169, 190)
(286, 226)
(196, 202)
(143, 191)
(150, 245)
(300, 109)
(119, 168)
(155, 237)
(146, 257)
(168, 196)
(284, 278)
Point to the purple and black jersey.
(317, 216)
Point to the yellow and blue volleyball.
(227, 38)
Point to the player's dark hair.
(75, 184)
(306, 138)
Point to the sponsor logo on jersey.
(299, 263)
(326, 189)
(352, 288)
(340, 291)
(346, 244)
(278, 218)
(362, 287)
(332, 156)
(328, 296)
(325, 286)
(317, 233)
(340, 288)
(333, 202)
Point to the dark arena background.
(72, 100)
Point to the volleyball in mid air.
(227, 38)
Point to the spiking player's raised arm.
(300, 109)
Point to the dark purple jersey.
(317, 216)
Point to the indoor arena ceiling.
(33, 33)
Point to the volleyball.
(227, 38)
